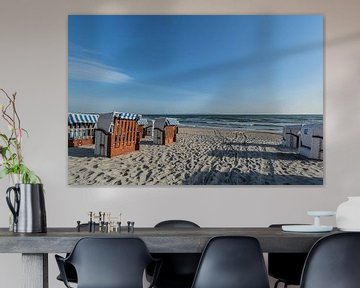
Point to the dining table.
(35, 247)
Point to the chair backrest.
(286, 266)
(176, 224)
(232, 262)
(177, 268)
(333, 262)
(110, 262)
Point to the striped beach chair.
(165, 130)
(117, 134)
(142, 123)
(81, 129)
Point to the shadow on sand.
(253, 144)
(266, 155)
(147, 142)
(81, 152)
(236, 177)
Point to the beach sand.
(199, 157)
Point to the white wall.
(33, 62)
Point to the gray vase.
(27, 204)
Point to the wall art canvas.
(195, 100)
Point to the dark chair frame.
(178, 269)
(176, 224)
(286, 267)
(333, 262)
(239, 259)
(62, 262)
(70, 271)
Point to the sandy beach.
(199, 157)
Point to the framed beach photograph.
(195, 100)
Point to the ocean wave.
(271, 123)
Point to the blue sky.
(196, 64)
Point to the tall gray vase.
(27, 204)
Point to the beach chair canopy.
(106, 121)
(312, 130)
(81, 118)
(295, 129)
(160, 123)
(126, 116)
(171, 122)
(292, 130)
(143, 121)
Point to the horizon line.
(285, 114)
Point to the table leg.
(35, 270)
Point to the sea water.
(267, 123)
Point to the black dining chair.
(178, 269)
(70, 271)
(232, 262)
(108, 263)
(333, 262)
(286, 267)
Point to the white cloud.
(80, 69)
(81, 52)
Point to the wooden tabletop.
(158, 240)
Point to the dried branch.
(11, 150)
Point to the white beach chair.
(311, 141)
(291, 136)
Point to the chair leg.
(278, 282)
